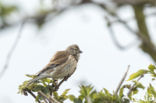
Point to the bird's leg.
(64, 79)
(54, 84)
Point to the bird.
(62, 65)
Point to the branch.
(88, 99)
(46, 15)
(131, 89)
(147, 45)
(122, 80)
(47, 97)
(45, 100)
(113, 14)
(135, 2)
(32, 94)
(133, 18)
(114, 38)
(143, 35)
(11, 51)
(55, 87)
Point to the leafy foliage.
(5, 12)
(88, 94)
(137, 74)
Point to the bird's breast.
(65, 69)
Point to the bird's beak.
(80, 51)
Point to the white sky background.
(102, 64)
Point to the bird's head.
(74, 49)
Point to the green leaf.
(22, 87)
(86, 90)
(5, 10)
(138, 85)
(81, 97)
(65, 92)
(153, 79)
(106, 91)
(31, 76)
(137, 74)
(36, 88)
(71, 97)
(56, 96)
(121, 92)
(151, 90)
(151, 67)
(45, 90)
(78, 101)
(135, 91)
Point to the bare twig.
(11, 51)
(135, 2)
(133, 18)
(46, 15)
(138, 34)
(45, 96)
(50, 99)
(122, 80)
(133, 86)
(89, 99)
(45, 100)
(32, 94)
(114, 38)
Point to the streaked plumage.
(61, 65)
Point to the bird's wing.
(59, 58)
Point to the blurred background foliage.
(109, 7)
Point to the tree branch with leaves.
(125, 92)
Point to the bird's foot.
(56, 88)
(66, 78)
(55, 83)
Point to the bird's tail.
(35, 79)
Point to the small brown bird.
(62, 64)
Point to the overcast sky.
(102, 64)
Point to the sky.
(102, 64)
